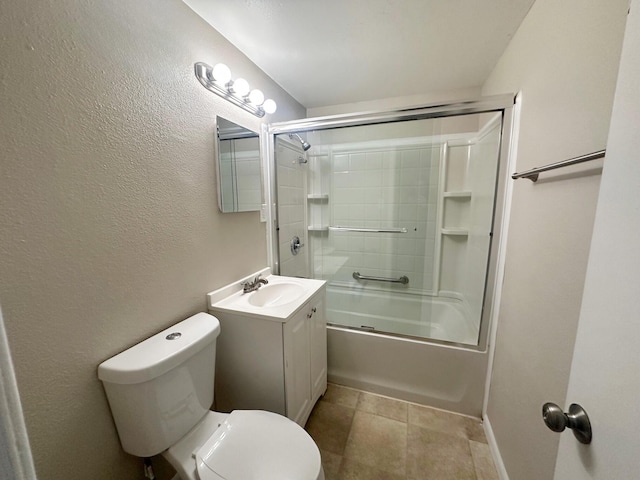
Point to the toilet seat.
(258, 445)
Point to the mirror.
(238, 163)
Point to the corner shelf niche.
(317, 213)
(454, 210)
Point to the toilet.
(160, 391)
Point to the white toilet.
(160, 391)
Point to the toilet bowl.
(160, 391)
(246, 444)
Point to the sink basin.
(276, 294)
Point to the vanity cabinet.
(274, 364)
(305, 359)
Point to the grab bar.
(533, 173)
(370, 230)
(403, 279)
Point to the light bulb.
(269, 106)
(221, 73)
(256, 97)
(240, 87)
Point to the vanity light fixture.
(217, 79)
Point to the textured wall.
(110, 229)
(564, 59)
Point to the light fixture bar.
(204, 74)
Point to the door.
(605, 374)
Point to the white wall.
(109, 224)
(393, 103)
(564, 59)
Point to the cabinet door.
(318, 350)
(296, 364)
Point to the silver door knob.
(576, 419)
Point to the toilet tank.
(162, 387)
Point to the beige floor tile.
(447, 422)
(386, 407)
(433, 455)
(352, 470)
(330, 463)
(378, 442)
(347, 397)
(331, 476)
(329, 426)
(483, 461)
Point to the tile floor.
(363, 436)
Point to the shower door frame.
(498, 103)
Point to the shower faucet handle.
(296, 245)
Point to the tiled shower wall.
(291, 182)
(377, 188)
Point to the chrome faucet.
(255, 285)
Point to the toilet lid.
(258, 445)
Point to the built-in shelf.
(459, 194)
(318, 196)
(318, 228)
(455, 231)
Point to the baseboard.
(495, 451)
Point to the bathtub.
(441, 375)
(436, 318)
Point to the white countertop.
(232, 299)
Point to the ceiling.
(330, 52)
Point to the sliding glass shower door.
(397, 218)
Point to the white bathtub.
(445, 376)
(437, 318)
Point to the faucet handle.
(248, 286)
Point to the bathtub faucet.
(255, 285)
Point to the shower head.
(305, 145)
